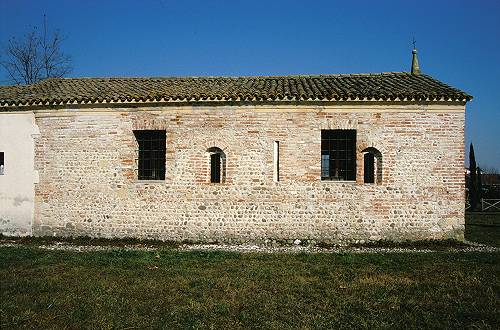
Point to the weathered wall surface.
(17, 192)
(88, 184)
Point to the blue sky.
(458, 42)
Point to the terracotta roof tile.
(383, 86)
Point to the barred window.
(151, 154)
(338, 155)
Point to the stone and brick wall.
(88, 181)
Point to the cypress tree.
(479, 186)
(472, 179)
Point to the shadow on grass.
(483, 227)
(437, 245)
(90, 241)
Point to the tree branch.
(35, 57)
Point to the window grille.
(151, 154)
(338, 155)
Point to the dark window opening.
(372, 165)
(276, 161)
(338, 155)
(215, 168)
(2, 164)
(217, 165)
(369, 165)
(151, 154)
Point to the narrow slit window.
(276, 161)
(215, 168)
(2, 164)
(369, 165)
(217, 165)
(372, 165)
(151, 154)
(338, 155)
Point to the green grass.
(137, 290)
(488, 235)
(483, 228)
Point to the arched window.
(217, 165)
(372, 164)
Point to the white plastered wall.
(17, 133)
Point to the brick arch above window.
(217, 144)
(201, 159)
(148, 121)
(343, 124)
(218, 166)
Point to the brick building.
(328, 158)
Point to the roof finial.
(415, 69)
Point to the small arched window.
(372, 164)
(217, 165)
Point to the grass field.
(483, 228)
(171, 289)
(489, 235)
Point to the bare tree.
(36, 56)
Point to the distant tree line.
(475, 182)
